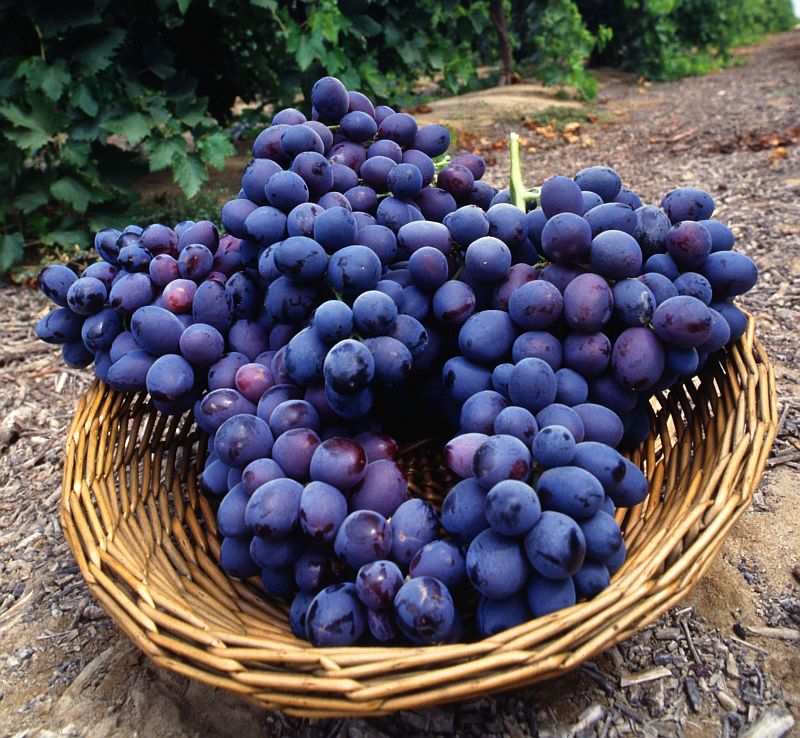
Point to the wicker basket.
(146, 542)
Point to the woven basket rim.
(144, 539)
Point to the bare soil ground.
(65, 669)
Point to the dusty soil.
(65, 670)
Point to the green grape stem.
(519, 194)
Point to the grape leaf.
(28, 140)
(81, 97)
(164, 152)
(214, 147)
(96, 56)
(134, 127)
(183, 5)
(53, 79)
(65, 237)
(30, 201)
(12, 246)
(72, 192)
(189, 174)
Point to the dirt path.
(65, 670)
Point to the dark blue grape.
(532, 384)
(76, 355)
(730, 273)
(689, 244)
(518, 422)
(611, 216)
(500, 458)
(442, 560)
(275, 554)
(453, 303)
(60, 326)
(235, 559)
(435, 203)
(496, 565)
(591, 579)
(553, 446)
(335, 617)
(363, 537)
(634, 303)
(616, 255)
(413, 524)
(555, 546)
(512, 508)
(322, 509)
(273, 510)
(293, 451)
(604, 181)
(129, 372)
(398, 127)
(661, 286)
(628, 197)
(170, 378)
(434, 140)
(377, 583)
(637, 357)
(652, 226)
(231, 514)
(99, 330)
(486, 337)
(570, 490)
(571, 387)
(602, 535)
(424, 611)
(566, 238)
(549, 595)
(561, 195)
(688, 203)
(463, 510)
(156, 330)
(537, 345)
(354, 269)
(380, 239)
(242, 439)
(494, 616)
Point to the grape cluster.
(368, 286)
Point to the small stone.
(694, 694)
(24, 653)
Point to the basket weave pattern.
(146, 542)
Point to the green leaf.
(365, 25)
(214, 148)
(12, 246)
(270, 5)
(29, 141)
(76, 153)
(304, 54)
(134, 127)
(53, 80)
(65, 237)
(183, 5)
(97, 55)
(163, 153)
(190, 174)
(30, 201)
(16, 115)
(81, 97)
(72, 192)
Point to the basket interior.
(146, 542)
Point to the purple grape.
(688, 203)
(588, 303)
(479, 412)
(260, 472)
(602, 535)
(611, 216)
(555, 546)
(571, 387)
(383, 488)
(682, 321)
(463, 510)
(413, 524)
(616, 255)
(604, 181)
(219, 405)
(335, 617)
(129, 372)
(60, 326)
(273, 510)
(363, 537)
(518, 422)
(500, 458)
(99, 330)
(587, 353)
(637, 357)
(689, 244)
(566, 238)
(293, 451)
(231, 514)
(201, 344)
(561, 195)
(553, 446)
(377, 583)
(496, 565)
(235, 559)
(494, 616)
(549, 595)
(537, 345)
(222, 373)
(242, 439)
(424, 611)
(340, 462)
(730, 273)
(322, 509)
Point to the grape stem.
(519, 195)
(515, 184)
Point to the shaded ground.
(66, 670)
